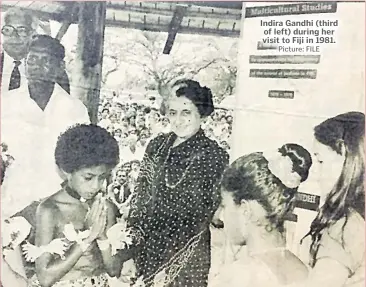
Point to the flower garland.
(282, 167)
(119, 237)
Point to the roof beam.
(63, 29)
(59, 16)
(174, 27)
(164, 28)
(191, 11)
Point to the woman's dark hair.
(84, 146)
(249, 178)
(200, 96)
(300, 157)
(345, 132)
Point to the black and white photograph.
(182, 144)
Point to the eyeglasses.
(21, 31)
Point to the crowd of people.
(133, 197)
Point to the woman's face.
(328, 166)
(183, 116)
(234, 220)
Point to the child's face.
(87, 182)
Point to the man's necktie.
(15, 76)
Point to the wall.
(263, 123)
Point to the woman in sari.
(176, 194)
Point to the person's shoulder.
(294, 270)
(14, 95)
(214, 149)
(344, 241)
(48, 207)
(158, 140)
(236, 274)
(70, 99)
(348, 228)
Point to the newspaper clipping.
(182, 144)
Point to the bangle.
(83, 245)
(103, 244)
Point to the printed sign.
(281, 94)
(291, 9)
(284, 59)
(291, 217)
(283, 73)
(307, 201)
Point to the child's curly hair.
(86, 146)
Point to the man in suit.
(18, 28)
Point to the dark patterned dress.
(176, 197)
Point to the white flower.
(31, 252)
(282, 168)
(72, 235)
(56, 246)
(139, 282)
(159, 279)
(119, 236)
(15, 231)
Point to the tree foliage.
(134, 59)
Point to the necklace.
(73, 193)
(172, 186)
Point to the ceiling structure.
(204, 17)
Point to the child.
(85, 155)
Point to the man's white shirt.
(31, 135)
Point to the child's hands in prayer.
(96, 219)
